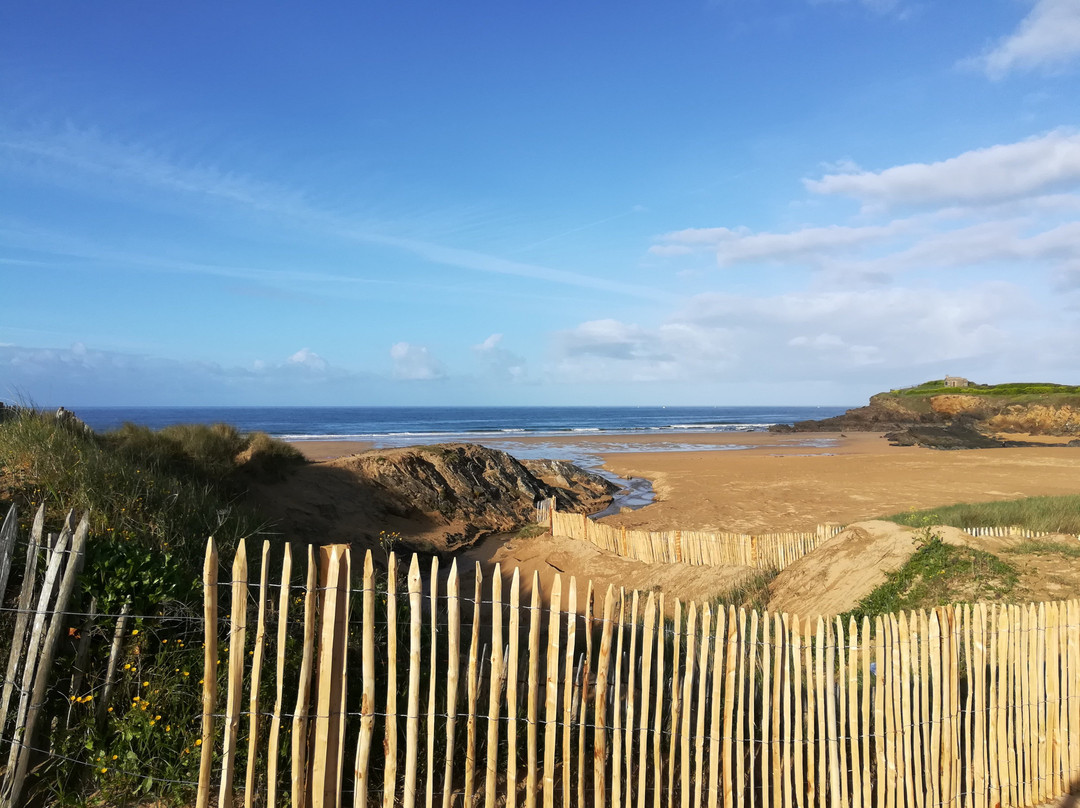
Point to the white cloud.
(612, 351)
(824, 334)
(733, 246)
(415, 363)
(1039, 165)
(500, 363)
(307, 358)
(1047, 38)
(84, 375)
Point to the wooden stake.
(730, 729)
(583, 715)
(412, 717)
(512, 691)
(303, 690)
(552, 692)
(44, 664)
(568, 684)
(367, 693)
(323, 786)
(747, 685)
(22, 618)
(600, 706)
(433, 653)
(855, 732)
(256, 675)
(647, 639)
(390, 736)
(210, 655)
(781, 678)
(273, 745)
(114, 664)
(493, 689)
(616, 712)
(800, 788)
(534, 682)
(687, 696)
(453, 666)
(676, 703)
(472, 684)
(37, 633)
(234, 689)
(703, 677)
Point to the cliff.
(980, 416)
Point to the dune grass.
(153, 497)
(1050, 514)
(751, 593)
(938, 574)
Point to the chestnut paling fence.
(326, 685)
(700, 548)
(416, 692)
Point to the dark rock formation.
(435, 498)
(883, 414)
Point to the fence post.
(237, 633)
(210, 670)
(279, 695)
(48, 652)
(367, 699)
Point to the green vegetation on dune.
(938, 574)
(1008, 390)
(1049, 514)
(153, 497)
(751, 593)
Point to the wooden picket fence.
(39, 623)
(762, 550)
(515, 694)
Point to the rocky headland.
(972, 417)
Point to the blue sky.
(725, 202)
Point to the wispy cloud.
(85, 375)
(67, 156)
(1048, 38)
(1038, 165)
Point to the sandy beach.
(769, 482)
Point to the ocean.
(393, 426)
(601, 430)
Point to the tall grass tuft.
(1058, 514)
(153, 496)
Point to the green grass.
(1058, 514)
(1043, 547)
(936, 575)
(531, 531)
(937, 387)
(153, 497)
(751, 593)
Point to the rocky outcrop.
(884, 413)
(944, 420)
(433, 498)
(575, 489)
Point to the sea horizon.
(345, 422)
